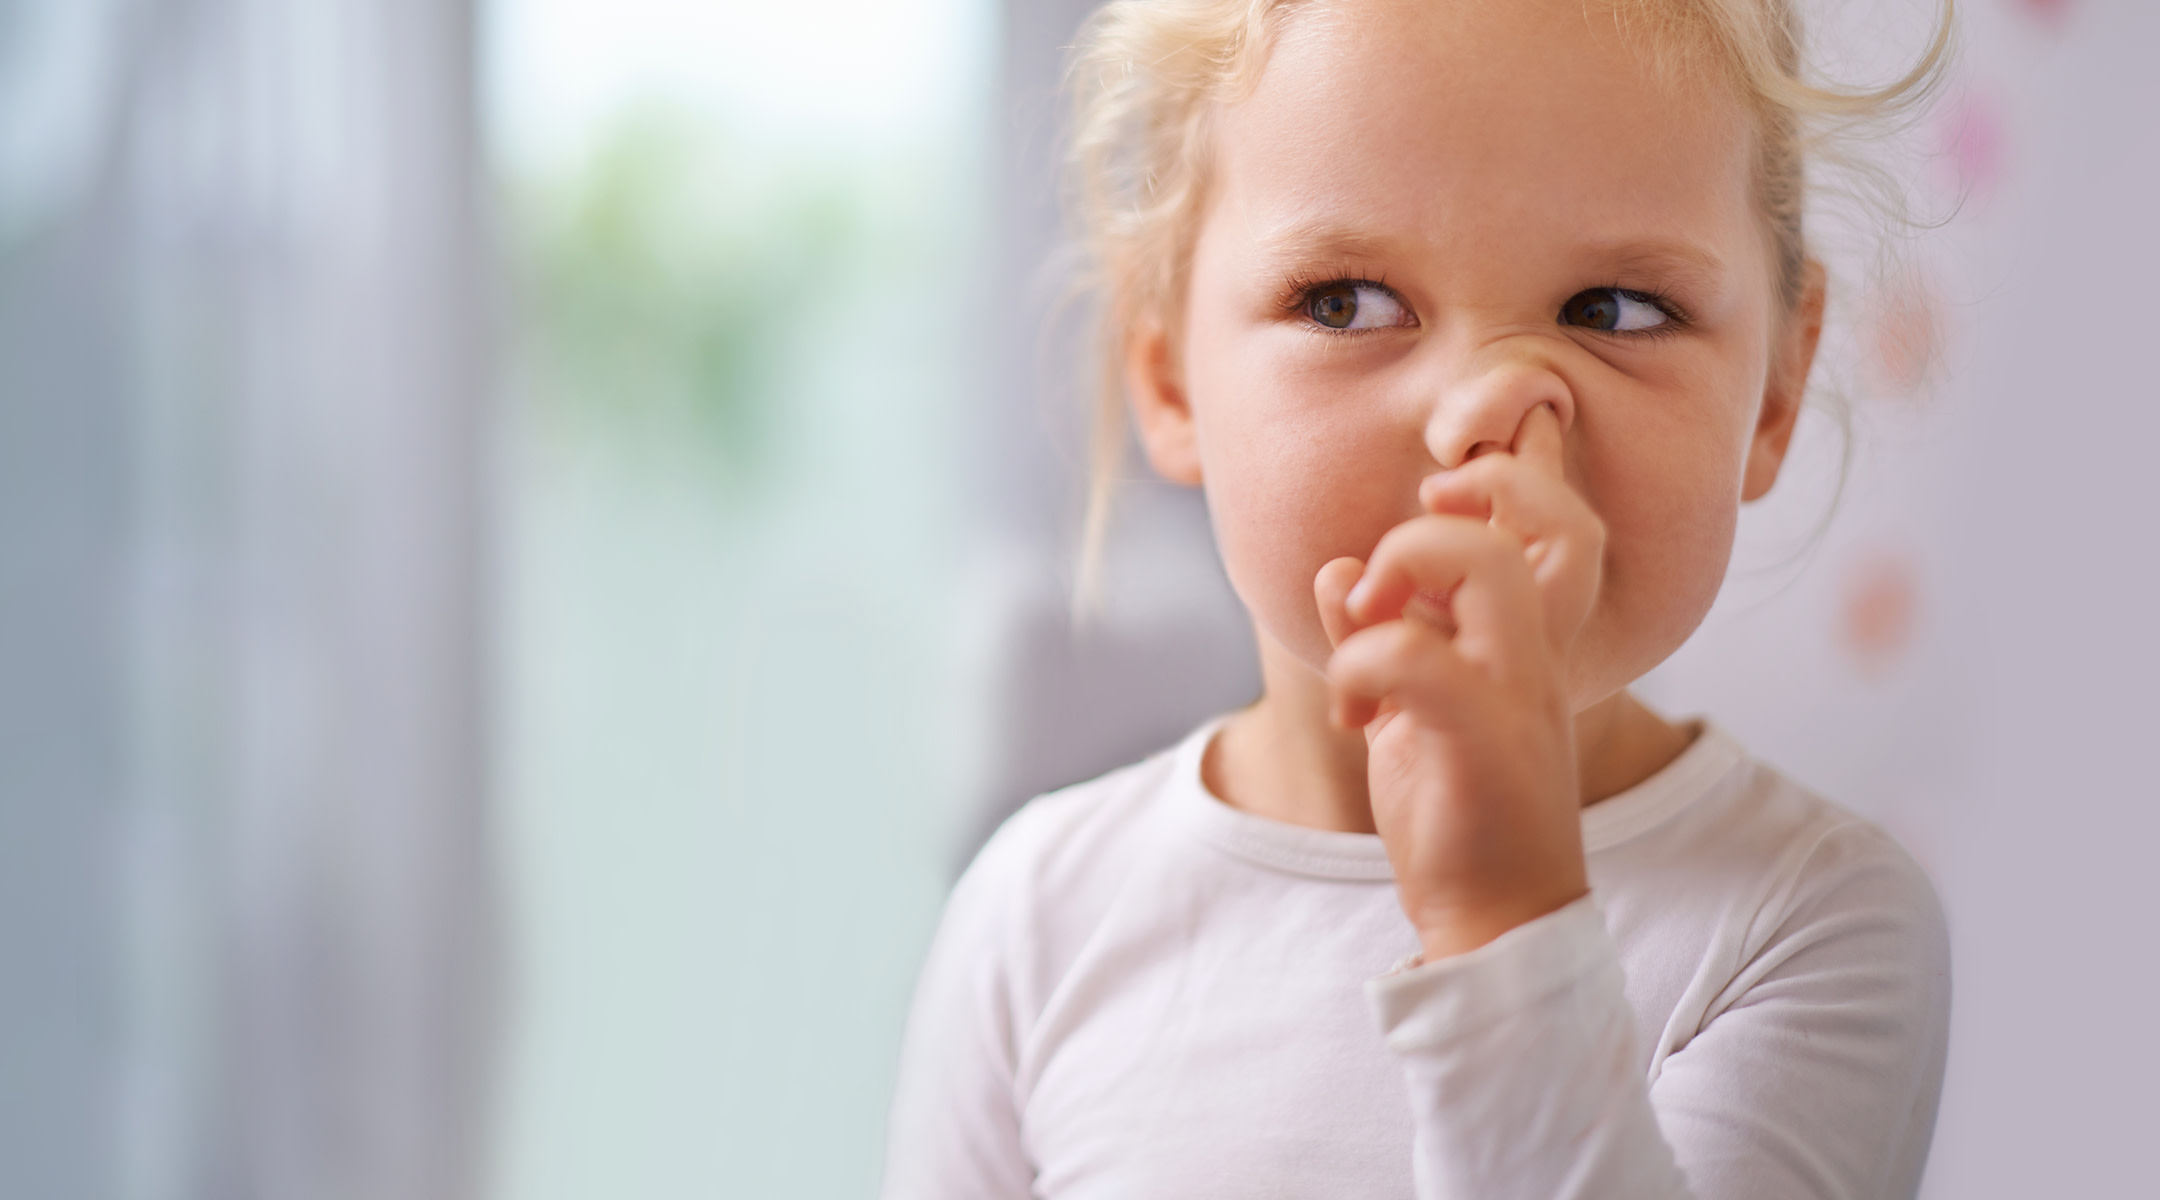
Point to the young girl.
(1477, 321)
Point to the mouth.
(1433, 607)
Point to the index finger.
(1538, 441)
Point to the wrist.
(1445, 933)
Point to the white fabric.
(1140, 993)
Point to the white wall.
(2008, 739)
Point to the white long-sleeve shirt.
(1140, 993)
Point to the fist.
(1451, 649)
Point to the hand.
(1451, 650)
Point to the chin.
(1302, 642)
(1606, 664)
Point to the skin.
(1462, 533)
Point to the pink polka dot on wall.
(1905, 335)
(1974, 142)
(2054, 12)
(1879, 611)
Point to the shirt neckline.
(1360, 857)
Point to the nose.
(1481, 409)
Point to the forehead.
(1494, 123)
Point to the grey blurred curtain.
(1169, 645)
(245, 917)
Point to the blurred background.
(535, 539)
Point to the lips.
(1432, 606)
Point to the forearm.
(1522, 1069)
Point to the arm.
(1453, 652)
(1521, 1062)
(1815, 1076)
(954, 1130)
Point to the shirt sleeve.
(1816, 1075)
(954, 1130)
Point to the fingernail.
(1356, 599)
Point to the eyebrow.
(1326, 238)
(1687, 260)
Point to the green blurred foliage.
(671, 283)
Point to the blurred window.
(744, 247)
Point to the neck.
(1283, 759)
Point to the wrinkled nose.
(1481, 409)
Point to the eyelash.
(1298, 292)
(1676, 317)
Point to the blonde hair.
(1147, 77)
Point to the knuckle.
(1494, 547)
(1416, 543)
(1593, 531)
(1439, 527)
(1490, 469)
(1395, 544)
(1425, 645)
(1346, 676)
(1401, 640)
(1363, 654)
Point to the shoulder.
(1065, 842)
(1828, 854)
(1754, 875)
(1058, 835)
(1010, 929)
(1044, 882)
(1833, 892)
(1724, 829)
(1791, 969)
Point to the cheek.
(1296, 474)
(1666, 560)
(1670, 507)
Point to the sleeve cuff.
(1423, 1005)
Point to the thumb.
(1331, 591)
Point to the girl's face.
(1430, 218)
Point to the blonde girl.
(1477, 321)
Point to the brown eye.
(1335, 307)
(1612, 310)
(1598, 308)
(1355, 305)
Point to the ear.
(1161, 410)
(1792, 355)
